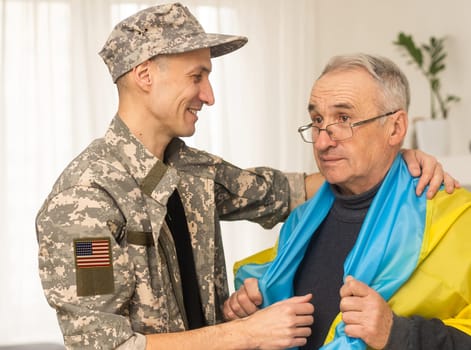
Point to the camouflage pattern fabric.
(116, 191)
(157, 30)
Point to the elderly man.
(385, 267)
(130, 252)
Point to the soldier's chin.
(188, 133)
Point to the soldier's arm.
(262, 195)
(91, 314)
(285, 324)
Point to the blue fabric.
(276, 277)
(394, 223)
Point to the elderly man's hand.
(243, 302)
(365, 313)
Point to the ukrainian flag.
(416, 253)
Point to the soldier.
(130, 251)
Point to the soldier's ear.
(142, 75)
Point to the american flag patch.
(92, 253)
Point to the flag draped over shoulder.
(394, 223)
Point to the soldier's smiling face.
(181, 87)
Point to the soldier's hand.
(430, 171)
(283, 325)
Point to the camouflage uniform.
(117, 191)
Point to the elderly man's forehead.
(344, 84)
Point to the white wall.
(344, 26)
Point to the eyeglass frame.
(303, 128)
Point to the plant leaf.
(408, 44)
(430, 59)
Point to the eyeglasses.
(336, 131)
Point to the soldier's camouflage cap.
(162, 29)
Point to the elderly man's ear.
(398, 128)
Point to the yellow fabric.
(331, 333)
(440, 287)
(262, 257)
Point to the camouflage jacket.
(107, 259)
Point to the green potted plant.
(429, 58)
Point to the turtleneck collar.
(352, 208)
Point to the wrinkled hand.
(365, 313)
(430, 171)
(283, 325)
(243, 302)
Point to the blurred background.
(56, 96)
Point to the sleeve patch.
(93, 264)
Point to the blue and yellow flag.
(392, 242)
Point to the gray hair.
(393, 84)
